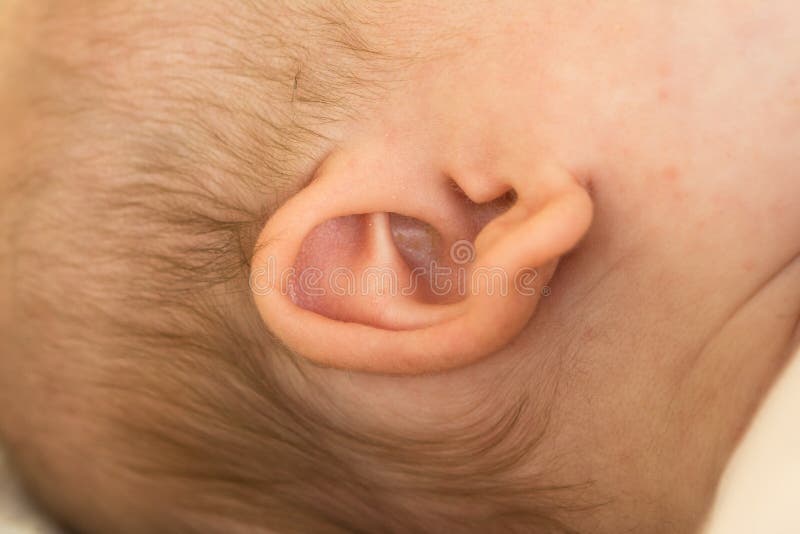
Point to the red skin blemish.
(671, 174)
(665, 76)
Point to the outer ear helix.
(545, 223)
(404, 334)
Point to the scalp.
(156, 142)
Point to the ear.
(379, 267)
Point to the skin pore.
(671, 318)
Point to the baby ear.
(378, 267)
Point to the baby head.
(321, 267)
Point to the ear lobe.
(404, 275)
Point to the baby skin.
(273, 267)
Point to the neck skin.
(669, 323)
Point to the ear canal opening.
(418, 242)
(349, 267)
